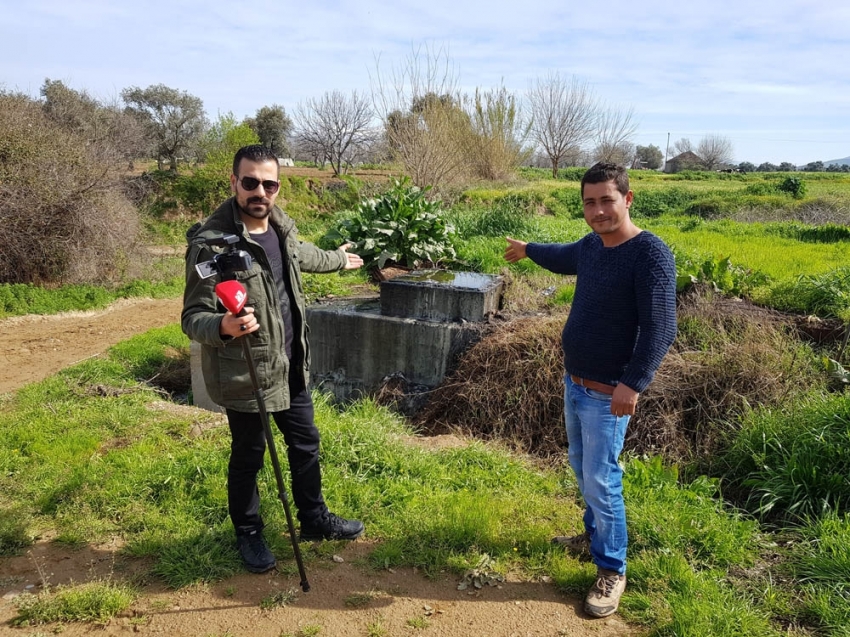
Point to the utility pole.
(666, 150)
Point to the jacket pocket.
(234, 372)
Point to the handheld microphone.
(232, 295)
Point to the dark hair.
(601, 172)
(256, 153)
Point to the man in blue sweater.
(621, 323)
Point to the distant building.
(685, 161)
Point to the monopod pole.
(281, 489)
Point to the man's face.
(255, 203)
(605, 207)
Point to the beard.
(256, 212)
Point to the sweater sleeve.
(655, 289)
(560, 258)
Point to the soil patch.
(346, 598)
(34, 347)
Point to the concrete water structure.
(414, 329)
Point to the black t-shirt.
(272, 247)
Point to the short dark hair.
(256, 153)
(603, 171)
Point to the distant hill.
(837, 162)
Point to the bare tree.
(563, 113)
(425, 127)
(615, 128)
(174, 119)
(715, 150)
(682, 145)
(336, 126)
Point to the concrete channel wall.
(415, 329)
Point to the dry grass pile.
(729, 355)
(508, 386)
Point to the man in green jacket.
(275, 320)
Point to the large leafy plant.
(401, 227)
(721, 274)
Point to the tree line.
(415, 116)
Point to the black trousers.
(247, 451)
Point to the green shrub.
(794, 186)
(762, 188)
(208, 186)
(794, 464)
(565, 202)
(573, 173)
(825, 295)
(709, 208)
(653, 203)
(721, 274)
(401, 226)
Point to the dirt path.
(347, 597)
(33, 347)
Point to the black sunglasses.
(251, 183)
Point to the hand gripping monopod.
(233, 297)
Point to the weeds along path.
(33, 347)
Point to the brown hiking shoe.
(578, 544)
(604, 596)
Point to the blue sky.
(772, 76)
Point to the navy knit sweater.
(623, 316)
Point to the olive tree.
(109, 132)
(649, 157)
(273, 127)
(174, 120)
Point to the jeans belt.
(594, 385)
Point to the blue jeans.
(595, 438)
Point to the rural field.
(112, 485)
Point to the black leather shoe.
(331, 527)
(256, 556)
